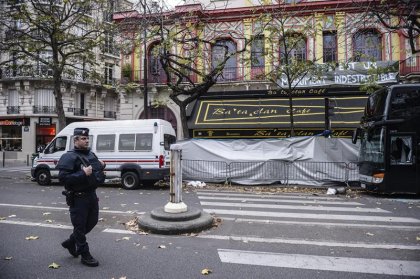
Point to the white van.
(134, 150)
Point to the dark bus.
(389, 156)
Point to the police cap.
(81, 132)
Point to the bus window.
(401, 150)
(372, 144)
(405, 103)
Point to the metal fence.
(284, 172)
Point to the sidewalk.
(13, 163)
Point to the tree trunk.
(59, 100)
(292, 126)
(184, 122)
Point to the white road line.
(282, 200)
(295, 207)
(66, 208)
(313, 216)
(118, 231)
(34, 224)
(313, 242)
(305, 223)
(281, 195)
(316, 262)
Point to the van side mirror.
(356, 135)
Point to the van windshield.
(58, 144)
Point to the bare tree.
(68, 31)
(185, 42)
(290, 66)
(396, 15)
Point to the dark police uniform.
(81, 196)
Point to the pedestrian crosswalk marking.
(371, 218)
(301, 201)
(324, 224)
(296, 207)
(312, 242)
(317, 262)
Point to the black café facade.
(266, 113)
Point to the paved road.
(260, 235)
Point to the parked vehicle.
(389, 157)
(135, 151)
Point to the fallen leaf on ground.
(54, 265)
(418, 238)
(206, 271)
(100, 219)
(370, 234)
(126, 238)
(162, 246)
(8, 258)
(48, 221)
(31, 237)
(2, 218)
(46, 213)
(105, 208)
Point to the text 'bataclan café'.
(265, 113)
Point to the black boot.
(71, 246)
(88, 260)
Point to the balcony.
(110, 114)
(44, 110)
(13, 109)
(410, 66)
(41, 71)
(80, 112)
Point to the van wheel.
(130, 180)
(43, 177)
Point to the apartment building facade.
(245, 103)
(28, 111)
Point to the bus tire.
(43, 177)
(130, 180)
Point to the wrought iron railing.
(410, 66)
(44, 109)
(80, 112)
(13, 109)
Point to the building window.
(44, 101)
(367, 46)
(257, 58)
(109, 73)
(155, 73)
(13, 102)
(330, 47)
(292, 48)
(109, 107)
(11, 138)
(109, 46)
(220, 50)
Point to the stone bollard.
(175, 217)
(175, 204)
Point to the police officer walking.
(81, 172)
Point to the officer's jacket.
(71, 172)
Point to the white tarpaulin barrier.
(301, 160)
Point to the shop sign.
(15, 122)
(44, 121)
(275, 112)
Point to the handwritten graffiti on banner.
(352, 73)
